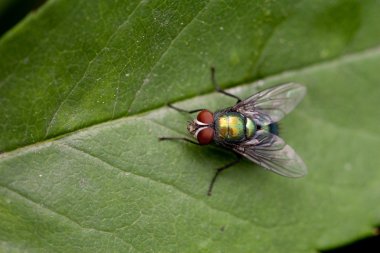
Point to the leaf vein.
(147, 77)
(52, 120)
(180, 191)
(63, 216)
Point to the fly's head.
(202, 127)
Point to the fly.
(250, 130)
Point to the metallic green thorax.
(233, 127)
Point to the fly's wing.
(271, 105)
(272, 153)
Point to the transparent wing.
(271, 105)
(272, 153)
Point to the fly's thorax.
(233, 127)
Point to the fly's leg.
(178, 139)
(218, 89)
(182, 110)
(229, 165)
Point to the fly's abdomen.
(271, 128)
(233, 127)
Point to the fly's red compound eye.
(205, 116)
(205, 136)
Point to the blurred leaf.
(106, 184)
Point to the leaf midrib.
(358, 55)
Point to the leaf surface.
(82, 92)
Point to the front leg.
(178, 139)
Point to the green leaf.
(82, 103)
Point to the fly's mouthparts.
(192, 127)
